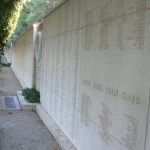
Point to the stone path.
(24, 131)
(9, 83)
(21, 130)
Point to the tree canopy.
(9, 14)
(32, 12)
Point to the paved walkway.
(21, 130)
(8, 84)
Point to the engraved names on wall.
(107, 114)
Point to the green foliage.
(5, 65)
(32, 12)
(9, 14)
(31, 95)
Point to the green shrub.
(31, 95)
(9, 14)
(5, 65)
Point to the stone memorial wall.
(95, 72)
(22, 59)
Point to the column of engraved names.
(62, 78)
(73, 73)
(130, 139)
(85, 105)
(140, 24)
(104, 29)
(58, 79)
(105, 123)
(121, 22)
(89, 32)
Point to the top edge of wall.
(52, 9)
(29, 29)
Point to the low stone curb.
(25, 106)
(58, 134)
(52, 126)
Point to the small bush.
(31, 95)
(5, 65)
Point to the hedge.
(9, 14)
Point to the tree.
(32, 12)
(9, 14)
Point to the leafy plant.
(31, 12)
(9, 14)
(31, 95)
(5, 65)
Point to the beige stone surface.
(24, 131)
(50, 123)
(9, 83)
(22, 59)
(21, 130)
(25, 106)
(95, 76)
